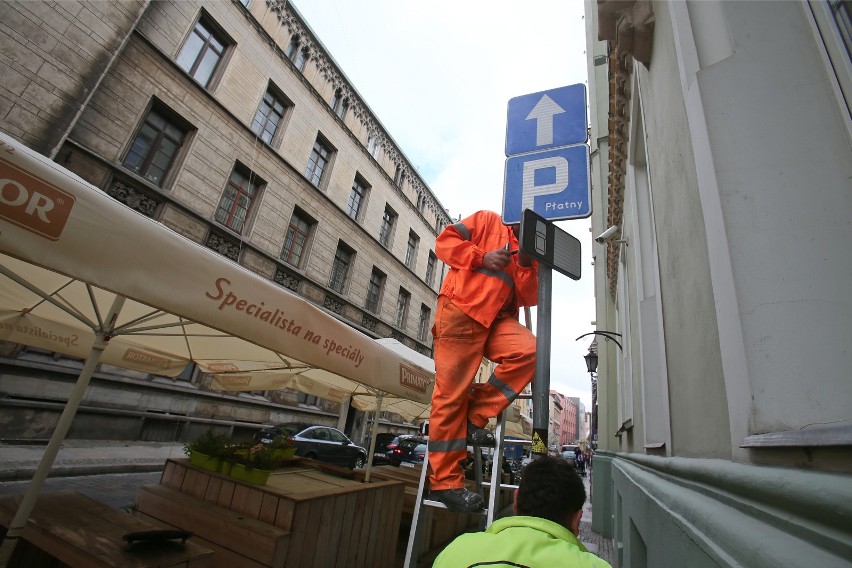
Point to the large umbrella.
(84, 275)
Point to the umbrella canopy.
(86, 276)
(74, 249)
(331, 386)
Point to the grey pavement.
(113, 471)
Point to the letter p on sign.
(531, 190)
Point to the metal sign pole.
(541, 384)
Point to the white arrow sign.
(543, 113)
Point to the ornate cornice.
(628, 25)
(329, 71)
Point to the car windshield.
(291, 428)
(410, 444)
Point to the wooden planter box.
(314, 517)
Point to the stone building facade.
(228, 122)
(722, 157)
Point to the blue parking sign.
(552, 183)
(547, 119)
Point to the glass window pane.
(206, 67)
(190, 52)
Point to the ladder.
(422, 506)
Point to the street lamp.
(591, 361)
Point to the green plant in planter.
(210, 444)
(282, 443)
(260, 456)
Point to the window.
(423, 326)
(296, 241)
(202, 52)
(307, 399)
(386, 230)
(374, 290)
(237, 199)
(269, 116)
(402, 308)
(339, 104)
(153, 150)
(430, 268)
(373, 145)
(411, 249)
(398, 176)
(357, 198)
(296, 53)
(317, 163)
(340, 267)
(421, 202)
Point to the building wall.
(80, 78)
(724, 422)
(54, 54)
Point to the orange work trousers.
(460, 344)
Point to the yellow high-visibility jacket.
(520, 541)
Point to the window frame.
(403, 300)
(375, 288)
(431, 264)
(423, 324)
(399, 176)
(372, 145)
(339, 104)
(170, 118)
(314, 162)
(411, 249)
(311, 223)
(387, 227)
(256, 185)
(336, 274)
(214, 31)
(286, 105)
(362, 191)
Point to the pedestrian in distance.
(542, 534)
(477, 316)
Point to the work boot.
(458, 500)
(479, 436)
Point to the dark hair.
(550, 488)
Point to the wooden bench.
(69, 529)
(237, 539)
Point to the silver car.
(318, 442)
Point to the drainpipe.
(97, 84)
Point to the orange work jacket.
(478, 292)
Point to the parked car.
(569, 454)
(386, 442)
(318, 442)
(408, 453)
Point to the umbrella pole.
(373, 437)
(19, 521)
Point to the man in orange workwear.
(476, 317)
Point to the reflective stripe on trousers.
(460, 344)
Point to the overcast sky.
(438, 75)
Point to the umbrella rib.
(154, 314)
(65, 307)
(94, 305)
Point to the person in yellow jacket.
(543, 534)
(476, 317)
